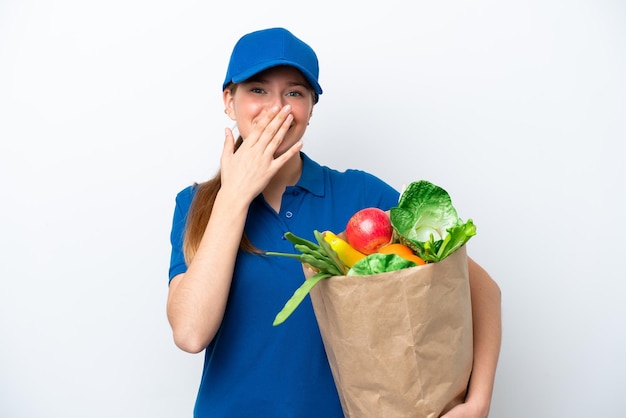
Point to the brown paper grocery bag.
(399, 343)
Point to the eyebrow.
(259, 79)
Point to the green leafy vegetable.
(379, 263)
(298, 296)
(426, 221)
(320, 257)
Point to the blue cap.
(263, 49)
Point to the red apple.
(368, 230)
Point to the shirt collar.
(312, 177)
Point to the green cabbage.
(379, 263)
(426, 221)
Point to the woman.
(224, 294)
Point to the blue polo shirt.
(251, 368)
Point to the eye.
(295, 93)
(257, 90)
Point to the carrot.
(403, 251)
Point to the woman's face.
(276, 86)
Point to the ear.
(229, 108)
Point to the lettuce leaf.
(426, 221)
(379, 263)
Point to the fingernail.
(287, 108)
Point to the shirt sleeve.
(177, 258)
(380, 193)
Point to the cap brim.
(243, 76)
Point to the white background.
(107, 109)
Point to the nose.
(277, 100)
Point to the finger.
(260, 124)
(228, 148)
(277, 138)
(280, 122)
(287, 155)
(229, 140)
(229, 143)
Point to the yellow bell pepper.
(346, 253)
